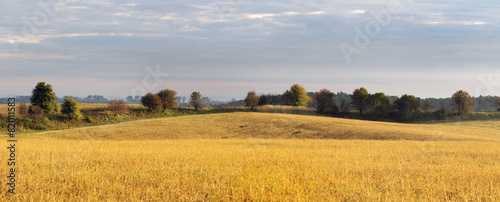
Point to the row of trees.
(378, 104)
(43, 100)
(296, 96)
(167, 99)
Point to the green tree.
(252, 100)
(297, 96)
(44, 97)
(264, 100)
(195, 100)
(360, 99)
(463, 102)
(325, 101)
(380, 104)
(407, 105)
(151, 101)
(168, 99)
(70, 108)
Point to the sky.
(226, 48)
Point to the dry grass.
(255, 170)
(82, 106)
(189, 159)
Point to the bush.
(22, 109)
(117, 106)
(36, 112)
(151, 101)
(440, 114)
(70, 108)
(38, 126)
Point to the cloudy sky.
(226, 48)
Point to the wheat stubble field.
(260, 157)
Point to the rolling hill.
(279, 126)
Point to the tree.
(195, 100)
(298, 96)
(462, 101)
(168, 98)
(425, 105)
(407, 105)
(497, 100)
(151, 101)
(324, 98)
(264, 100)
(252, 100)
(70, 108)
(344, 105)
(44, 97)
(359, 99)
(380, 104)
(117, 105)
(285, 98)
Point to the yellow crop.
(259, 157)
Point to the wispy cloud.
(279, 42)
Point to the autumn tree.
(285, 98)
(70, 108)
(252, 100)
(297, 96)
(463, 102)
(151, 101)
(407, 105)
(195, 100)
(44, 97)
(117, 105)
(360, 99)
(168, 98)
(324, 98)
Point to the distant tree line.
(377, 106)
(481, 103)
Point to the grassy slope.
(183, 159)
(280, 126)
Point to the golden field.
(260, 157)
